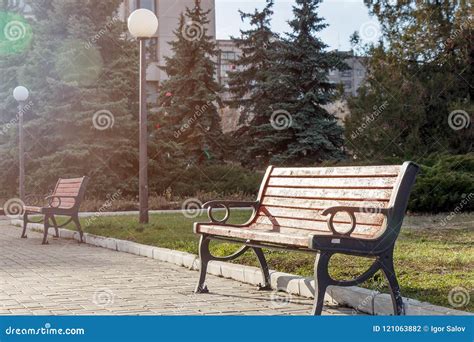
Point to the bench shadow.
(262, 298)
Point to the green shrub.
(225, 179)
(445, 183)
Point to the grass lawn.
(429, 262)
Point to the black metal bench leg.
(76, 221)
(264, 267)
(386, 261)
(46, 228)
(56, 229)
(321, 281)
(204, 258)
(25, 223)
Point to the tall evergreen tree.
(287, 86)
(417, 98)
(82, 74)
(15, 39)
(189, 124)
(15, 43)
(249, 86)
(307, 132)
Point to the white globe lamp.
(142, 23)
(21, 94)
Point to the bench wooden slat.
(65, 200)
(65, 193)
(318, 204)
(351, 171)
(312, 225)
(311, 214)
(69, 186)
(299, 239)
(65, 203)
(349, 194)
(345, 183)
(361, 232)
(70, 180)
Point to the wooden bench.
(64, 201)
(350, 210)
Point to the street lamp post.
(143, 24)
(21, 95)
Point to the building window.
(152, 89)
(152, 43)
(228, 55)
(148, 4)
(228, 67)
(152, 49)
(346, 73)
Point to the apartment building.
(228, 54)
(352, 78)
(168, 13)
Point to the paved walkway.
(67, 278)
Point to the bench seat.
(265, 234)
(271, 234)
(33, 209)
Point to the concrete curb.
(360, 299)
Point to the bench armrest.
(226, 205)
(35, 200)
(332, 211)
(52, 198)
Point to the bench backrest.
(71, 192)
(293, 198)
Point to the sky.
(343, 16)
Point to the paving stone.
(68, 278)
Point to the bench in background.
(64, 201)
